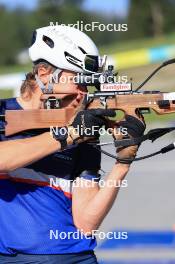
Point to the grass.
(126, 45)
(15, 68)
(6, 93)
(151, 118)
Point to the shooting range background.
(146, 207)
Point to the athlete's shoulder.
(2, 105)
(8, 104)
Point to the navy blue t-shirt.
(36, 200)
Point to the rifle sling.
(152, 135)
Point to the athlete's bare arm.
(91, 204)
(21, 152)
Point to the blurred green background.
(151, 24)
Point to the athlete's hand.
(87, 123)
(135, 128)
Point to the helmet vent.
(33, 37)
(84, 52)
(71, 59)
(48, 41)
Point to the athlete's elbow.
(85, 225)
(4, 167)
(85, 228)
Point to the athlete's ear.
(44, 74)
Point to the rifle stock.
(22, 120)
(130, 102)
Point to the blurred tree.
(9, 43)
(60, 2)
(70, 11)
(17, 25)
(149, 18)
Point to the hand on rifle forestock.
(87, 123)
(134, 126)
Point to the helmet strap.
(47, 89)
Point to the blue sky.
(119, 7)
(14, 3)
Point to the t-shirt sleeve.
(89, 162)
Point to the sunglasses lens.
(91, 63)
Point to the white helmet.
(65, 48)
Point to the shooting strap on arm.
(152, 135)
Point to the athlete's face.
(66, 84)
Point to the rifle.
(109, 95)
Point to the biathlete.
(32, 210)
